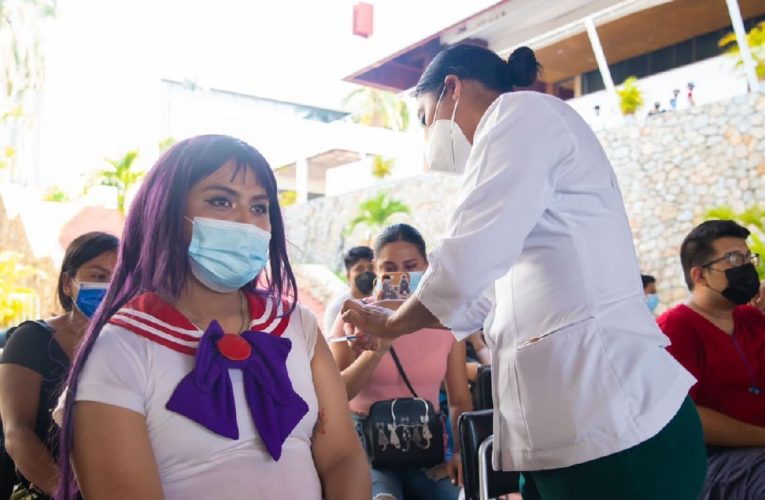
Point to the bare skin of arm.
(337, 453)
(458, 394)
(356, 368)
(19, 402)
(368, 322)
(722, 430)
(481, 349)
(112, 454)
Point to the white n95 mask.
(448, 149)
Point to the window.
(592, 82)
(687, 52)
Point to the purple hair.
(152, 256)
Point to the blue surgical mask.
(652, 300)
(414, 279)
(89, 297)
(224, 255)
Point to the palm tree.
(753, 218)
(378, 108)
(375, 212)
(121, 177)
(756, 40)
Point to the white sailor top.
(149, 350)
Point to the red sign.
(363, 19)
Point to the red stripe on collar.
(175, 346)
(150, 316)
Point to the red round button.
(234, 347)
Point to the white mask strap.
(454, 113)
(438, 105)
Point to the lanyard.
(754, 388)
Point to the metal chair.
(482, 389)
(476, 440)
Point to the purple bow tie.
(206, 396)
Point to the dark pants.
(669, 466)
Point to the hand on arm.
(368, 322)
(356, 366)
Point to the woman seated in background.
(478, 355)
(35, 362)
(426, 357)
(200, 376)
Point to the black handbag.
(404, 432)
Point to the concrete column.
(743, 45)
(600, 56)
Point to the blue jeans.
(406, 484)
(414, 483)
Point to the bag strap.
(401, 371)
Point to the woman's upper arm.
(112, 453)
(456, 376)
(334, 436)
(25, 361)
(19, 397)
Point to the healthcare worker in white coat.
(538, 253)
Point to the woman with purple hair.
(200, 376)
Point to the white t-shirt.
(135, 371)
(332, 310)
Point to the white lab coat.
(539, 254)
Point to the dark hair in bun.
(471, 62)
(523, 67)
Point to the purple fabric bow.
(206, 396)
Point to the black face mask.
(743, 284)
(365, 282)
